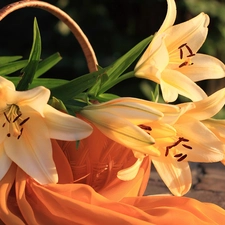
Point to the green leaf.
(117, 68)
(12, 67)
(76, 86)
(126, 60)
(8, 59)
(29, 71)
(93, 91)
(106, 97)
(46, 82)
(47, 64)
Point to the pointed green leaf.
(12, 67)
(47, 64)
(117, 68)
(29, 71)
(126, 60)
(8, 59)
(76, 86)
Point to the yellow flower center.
(14, 120)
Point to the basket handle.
(73, 26)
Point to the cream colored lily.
(119, 120)
(181, 138)
(27, 124)
(193, 142)
(172, 61)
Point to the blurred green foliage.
(113, 28)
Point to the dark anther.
(182, 158)
(16, 118)
(187, 146)
(24, 121)
(181, 53)
(182, 46)
(183, 64)
(189, 49)
(184, 139)
(178, 155)
(192, 54)
(8, 135)
(144, 127)
(167, 151)
(21, 131)
(6, 117)
(180, 139)
(3, 125)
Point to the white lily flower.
(27, 125)
(172, 61)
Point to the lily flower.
(180, 139)
(193, 142)
(172, 61)
(27, 125)
(120, 120)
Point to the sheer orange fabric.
(89, 192)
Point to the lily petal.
(153, 61)
(206, 147)
(170, 16)
(176, 175)
(135, 111)
(62, 126)
(5, 162)
(130, 172)
(33, 150)
(216, 125)
(204, 67)
(121, 130)
(172, 87)
(36, 98)
(193, 32)
(207, 107)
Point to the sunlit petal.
(193, 32)
(204, 67)
(62, 126)
(32, 151)
(207, 107)
(36, 98)
(120, 130)
(176, 85)
(205, 146)
(218, 126)
(130, 172)
(170, 16)
(134, 111)
(176, 175)
(5, 162)
(153, 61)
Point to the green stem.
(110, 84)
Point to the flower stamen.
(188, 61)
(182, 158)
(13, 117)
(187, 146)
(24, 121)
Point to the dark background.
(113, 27)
